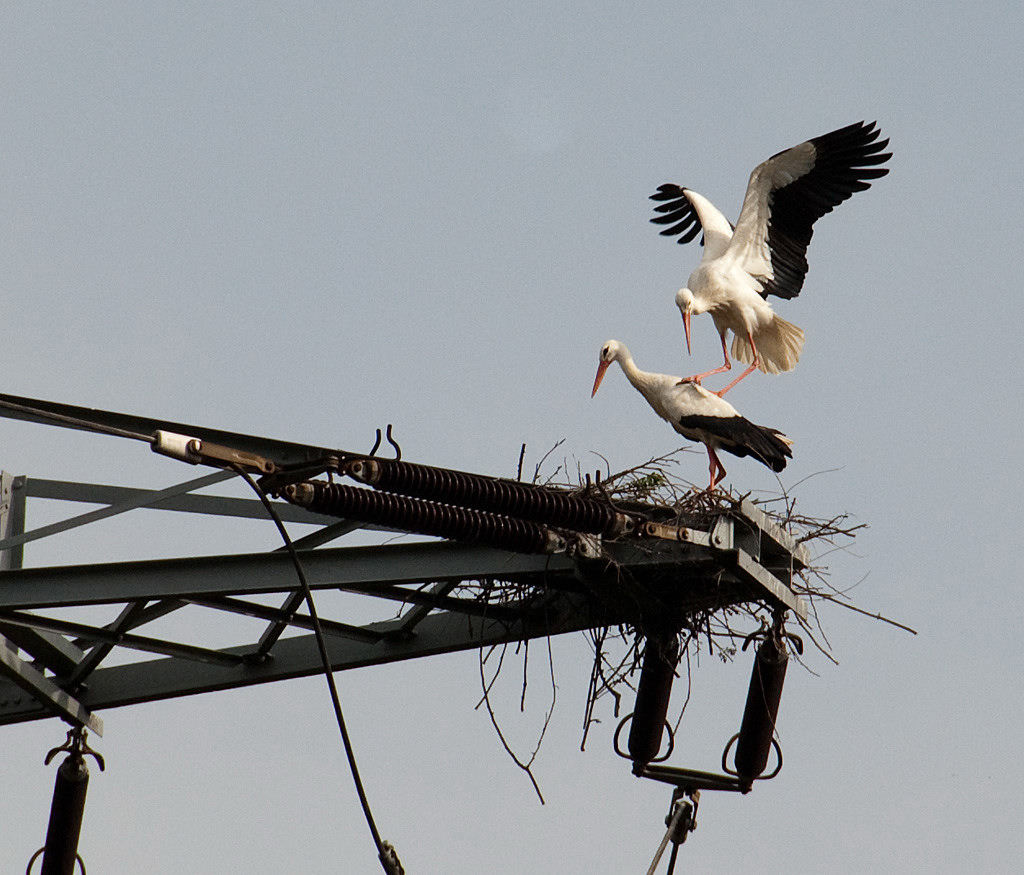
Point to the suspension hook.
(394, 443)
(601, 486)
(60, 853)
(777, 632)
(76, 745)
(780, 633)
(391, 440)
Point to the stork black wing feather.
(844, 161)
(678, 209)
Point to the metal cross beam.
(545, 595)
(445, 632)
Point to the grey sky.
(306, 221)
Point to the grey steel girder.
(444, 632)
(567, 596)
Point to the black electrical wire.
(77, 422)
(386, 854)
(672, 859)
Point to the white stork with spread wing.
(766, 252)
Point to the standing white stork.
(766, 252)
(699, 415)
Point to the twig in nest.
(486, 701)
(876, 616)
(543, 459)
(602, 682)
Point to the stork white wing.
(790, 191)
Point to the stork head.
(609, 353)
(685, 303)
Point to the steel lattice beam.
(353, 569)
(577, 597)
(298, 657)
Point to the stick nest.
(656, 488)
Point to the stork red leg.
(747, 372)
(716, 465)
(696, 378)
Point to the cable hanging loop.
(35, 856)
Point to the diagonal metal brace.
(41, 688)
(137, 499)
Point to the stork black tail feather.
(768, 445)
(738, 436)
(773, 447)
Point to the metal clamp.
(681, 821)
(196, 451)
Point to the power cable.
(385, 852)
(76, 422)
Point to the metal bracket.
(691, 779)
(677, 533)
(774, 539)
(743, 552)
(12, 518)
(745, 555)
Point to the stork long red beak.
(602, 369)
(686, 328)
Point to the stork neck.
(698, 302)
(642, 381)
